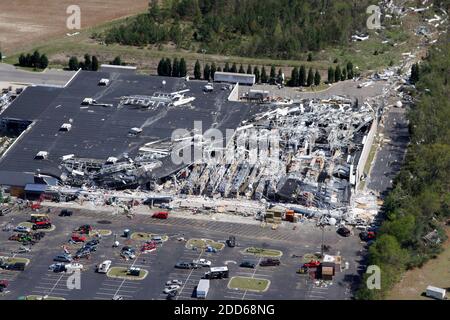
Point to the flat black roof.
(100, 132)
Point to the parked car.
(160, 215)
(17, 266)
(343, 231)
(172, 294)
(63, 258)
(74, 266)
(133, 271)
(57, 267)
(104, 266)
(82, 253)
(202, 262)
(177, 282)
(312, 264)
(367, 235)
(45, 224)
(92, 242)
(84, 229)
(186, 265)
(65, 213)
(269, 262)
(78, 238)
(171, 288)
(231, 242)
(22, 229)
(247, 264)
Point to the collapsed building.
(121, 131)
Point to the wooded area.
(420, 200)
(271, 28)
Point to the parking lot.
(285, 283)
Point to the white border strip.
(70, 80)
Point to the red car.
(84, 229)
(78, 238)
(160, 215)
(312, 264)
(3, 284)
(44, 224)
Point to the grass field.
(251, 284)
(121, 273)
(435, 272)
(144, 236)
(263, 252)
(203, 243)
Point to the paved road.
(9, 73)
(390, 156)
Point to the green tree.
(197, 70)
(257, 74)
(272, 74)
(73, 63)
(344, 74)
(294, 77)
(175, 68)
(280, 76)
(95, 63)
(330, 75)
(183, 68)
(160, 68)
(310, 79)
(350, 72)
(337, 74)
(35, 59)
(44, 62)
(233, 68)
(310, 57)
(219, 69)
(1, 57)
(207, 72)
(213, 70)
(87, 62)
(226, 68)
(302, 76)
(264, 78)
(241, 69)
(414, 78)
(249, 69)
(117, 61)
(317, 78)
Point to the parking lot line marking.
(45, 292)
(112, 294)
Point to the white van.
(104, 266)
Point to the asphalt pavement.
(11, 74)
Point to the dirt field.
(30, 21)
(436, 273)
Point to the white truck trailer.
(435, 292)
(202, 288)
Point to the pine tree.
(197, 70)
(350, 72)
(294, 77)
(302, 76)
(226, 68)
(310, 80)
(257, 74)
(310, 56)
(415, 73)
(344, 74)
(35, 59)
(73, 63)
(95, 63)
(249, 69)
(168, 68)
(44, 62)
(213, 70)
(22, 60)
(161, 66)
(219, 69)
(233, 68)
(317, 78)
(330, 75)
(175, 68)
(264, 78)
(337, 74)
(272, 74)
(183, 68)
(87, 62)
(207, 72)
(280, 76)
(241, 69)
(117, 61)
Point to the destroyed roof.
(99, 132)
